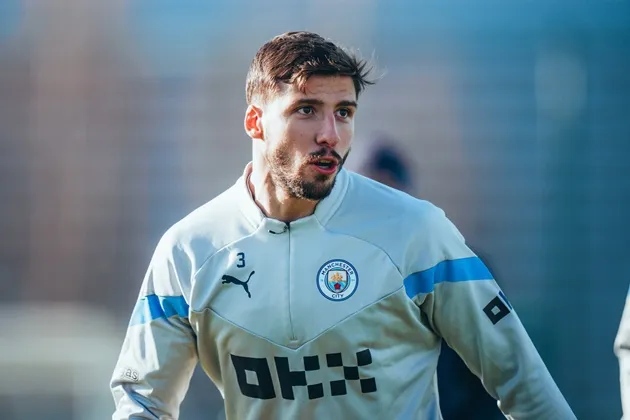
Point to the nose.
(328, 134)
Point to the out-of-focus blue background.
(119, 117)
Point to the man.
(622, 350)
(306, 291)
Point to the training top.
(336, 315)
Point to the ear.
(253, 122)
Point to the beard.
(295, 183)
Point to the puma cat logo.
(229, 279)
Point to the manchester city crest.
(337, 280)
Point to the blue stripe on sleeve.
(505, 299)
(153, 307)
(463, 269)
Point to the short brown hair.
(293, 57)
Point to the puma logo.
(229, 279)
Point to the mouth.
(325, 165)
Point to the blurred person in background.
(386, 163)
(308, 291)
(461, 392)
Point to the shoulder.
(415, 233)
(369, 201)
(205, 230)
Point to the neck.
(275, 202)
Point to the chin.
(317, 190)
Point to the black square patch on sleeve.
(496, 310)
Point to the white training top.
(337, 315)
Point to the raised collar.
(323, 211)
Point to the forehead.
(325, 88)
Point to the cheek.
(275, 139)
(346, 134)
(272, 133)
(299, 139)
(297, 131)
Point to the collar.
(323, 211)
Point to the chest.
(291, 287)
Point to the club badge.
(337, 280)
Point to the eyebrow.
(312, 101)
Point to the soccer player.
(307, 291)
(622, 350)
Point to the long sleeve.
(622, 350)
(465, 306)
(159, 353)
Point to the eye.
(344, 113)
(306, 110)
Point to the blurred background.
(119, 117)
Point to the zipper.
(292, 336)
